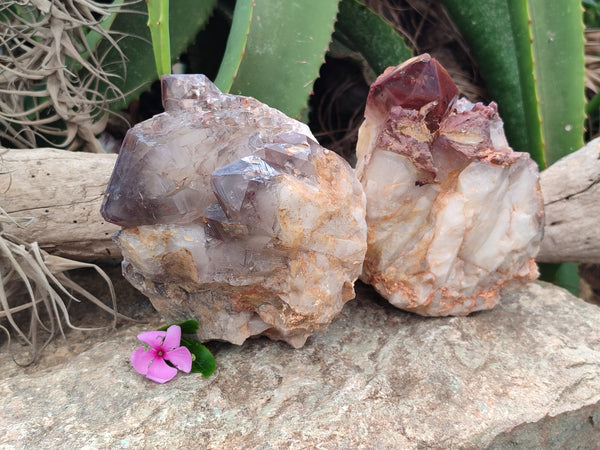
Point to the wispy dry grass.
(53, 85)
(592, 59)
(592, 74)
(34, 282)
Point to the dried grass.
(592, 59)
(53, 86)
(592, 75)
(34, 281)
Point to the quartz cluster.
(234, 216)
(454, 215)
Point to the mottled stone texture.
(525, 374)
(235, 216)
(454, 215)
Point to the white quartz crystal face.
(234, 216)
(454, 215)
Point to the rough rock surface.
(525, 375)
(453, 214)
(234, 216)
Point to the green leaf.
(203, 360)
(487, 28)
(236, 44)
(558, 45)
(187, 326)
(367, 33)
(591, 14)
(286, 46)
(564, 275)
(593, 104)
(531, 55)
(186, 18)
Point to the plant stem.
(158, 22)
(236, 44)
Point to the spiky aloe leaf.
(362, 30)
(286, 46)
(131, 32)
(531, 55)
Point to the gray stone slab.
(525, 374)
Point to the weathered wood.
(62, 192)
(571, 190)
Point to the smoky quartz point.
(454, 215)
(233, 215)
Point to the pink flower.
(164, 346)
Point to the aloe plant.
(285, 47)
(363, 31)
(274, 50)
(531, 55)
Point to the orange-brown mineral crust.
(454, 216)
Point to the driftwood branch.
(571, 190)
(62, 192)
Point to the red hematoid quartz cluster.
(453, 214)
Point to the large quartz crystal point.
(453, 214)
(234, 216)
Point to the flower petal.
(152, 338)
(141, 359)
(160, 372)
(181, 358)
(173, 338)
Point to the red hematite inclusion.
(418, 82)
